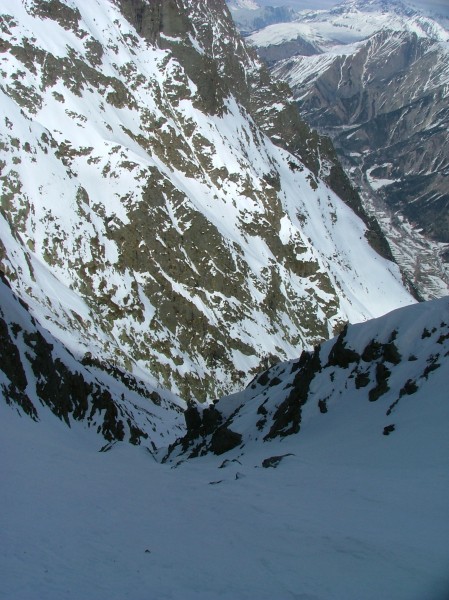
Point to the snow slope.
(375, 374)
(348, 513)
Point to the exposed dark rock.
(409, 387)
(443, 338)
(432, 367)
(382, 375)
(260, 424)
(10, 361)
(264, 378)
(274, 461)
(372, 352)
(322, 405)
(136, 434)
(150, 19)
(224, 440)
(211, 419)
(112, 427)
(262, 410)
(375, 350)
(391, 353)
(58, 11)
(192, 418)
(340, 355)
(388, 429)
(12, 367)
(362, 380)
(287, 418)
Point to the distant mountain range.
(250, 16)
(374, 76)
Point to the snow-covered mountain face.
(350, 22)
(377, 83)
(147, 218)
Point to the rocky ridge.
(374, 374)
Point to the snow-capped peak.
(352, 21)
(243, 5)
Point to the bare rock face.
(147, 217)
(151, 19)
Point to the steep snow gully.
(170, 232)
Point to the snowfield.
(325, 525)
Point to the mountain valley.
(216, 382)
(373, 76)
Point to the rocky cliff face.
(147, 218)
(381, 94)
